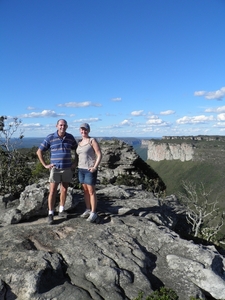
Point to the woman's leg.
(92, 197)
(86, 196)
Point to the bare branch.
(201, 210)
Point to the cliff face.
(168, 151)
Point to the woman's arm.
(98, 154)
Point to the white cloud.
(43, 114)
(79, 104)
(116, 99)
(148, 129)
(219, 125)
(199, 93)
(30, 108)
(167, 112)
(216, 109)
(221, 117)
(218, 95)
(89, 120)
(126, 122)
(137, 113)
(35, 125)
(155, 120)
(194, 120)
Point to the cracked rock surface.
(132, 247)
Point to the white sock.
(51, 212)
(61, 208)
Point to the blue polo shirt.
(60, 149)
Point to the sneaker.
(86, 214)
(50, 219)
(92, 217)
(63, 214)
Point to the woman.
(89, 158)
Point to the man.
(60, 145)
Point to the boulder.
(132, 247)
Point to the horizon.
(128, 68)
(29, 142)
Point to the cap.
(86, 126)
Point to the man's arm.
(42, 161)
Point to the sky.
(129, 68)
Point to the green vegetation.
(19, 167)
(174, 172)
(15, 172)
(162, 294)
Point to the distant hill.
(207, 166)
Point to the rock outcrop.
(120, 163)
(196, 138)
(133, 247)
(185, 148)
(170, 151)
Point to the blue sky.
(129, 68)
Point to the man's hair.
(61, 120)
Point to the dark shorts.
(87, 177)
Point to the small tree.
(15, 173)
(201, 211)
(7, 131)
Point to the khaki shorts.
(60, 175)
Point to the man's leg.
(51, 201)
(52, 195)
(63, 193)
(66, 178)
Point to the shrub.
(162, 294)
(15, 173)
